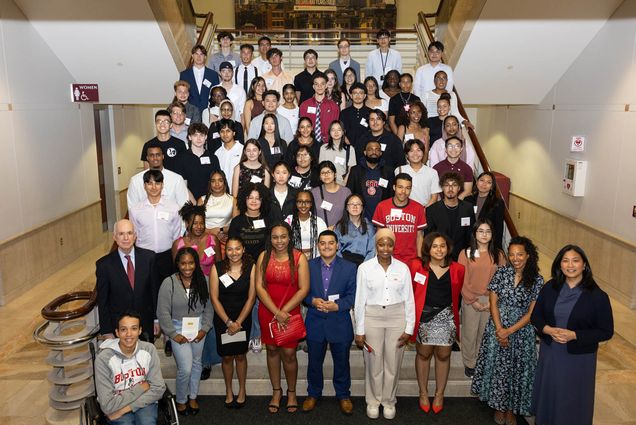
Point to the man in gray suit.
(344, 61)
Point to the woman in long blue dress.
(572, 316)
(507, 357)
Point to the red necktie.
(130, 271)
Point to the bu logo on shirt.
(171, 152)
(371, 187)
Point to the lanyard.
(384, 62)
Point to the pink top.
(207, 259)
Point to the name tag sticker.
(233, 63)
(204, 160)
(295, 180)
(383, 182)
(209, 251)
(259, 224)
(408, 137)
(163, 215)
(475, 209)
(255, 179)
(226, 280)
(396, 212)
(326, 205)
(187, 121)
(207, 83)
(340, 160)
(334, 297)
(420, 278)
(215, 135)
(275, 150)
(465, 221)
(269, 82)
(364, 122)
(311, 109)
(383, 146)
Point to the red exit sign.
(84, 93)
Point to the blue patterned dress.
(504, 376)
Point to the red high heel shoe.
(424, 407)
(437, 408)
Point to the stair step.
(258, 378)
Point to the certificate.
(190, 327)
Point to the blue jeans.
(256, 327)
(210, 355)
(144, 416)
(188, 359)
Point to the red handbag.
(292, 332)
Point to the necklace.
(408, 99)
(451, 208)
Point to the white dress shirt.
(124, 261)
(424, 79)
(157, 226)
(239, 73)
(174, 188)
(379, 64)
(198, 76)
(378, 287)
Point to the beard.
(371, 160)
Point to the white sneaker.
(373, 412)
(250, 345)
(257, 347)
(388, 412)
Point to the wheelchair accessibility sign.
(84, 93)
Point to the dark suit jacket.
(332, 326)
(115, 296)
(438, 220)
(591, 318)
(335, 65)
(200, 100)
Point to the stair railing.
(425, 37)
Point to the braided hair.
(199, 286)
(189, 211)
(296, 235)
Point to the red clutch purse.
(291, 333)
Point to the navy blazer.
(591, 318)
(335, 65)
(200, 100)
(333, 326)
(115, 295)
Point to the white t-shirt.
(425, 182)
(292, 117)
(228, 159)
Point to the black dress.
(233, 299)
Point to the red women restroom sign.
(84, 93)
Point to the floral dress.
(504, 376)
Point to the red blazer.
(419, 290)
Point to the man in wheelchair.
(128, 375)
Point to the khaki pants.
(383, 326)
(473, 325)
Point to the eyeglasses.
(454, 147)
(163, 121)
(301, 202)
(326, 172)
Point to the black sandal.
(291, 408)
(273, 408)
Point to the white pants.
(383, 326)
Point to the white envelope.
(240, 336)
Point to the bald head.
(124, 235)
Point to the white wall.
(48, 165)
(530, 143)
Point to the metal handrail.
(512, 229)
(37, 336)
